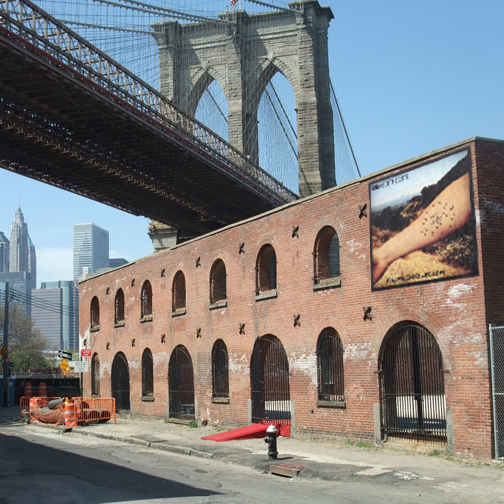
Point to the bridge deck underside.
(59, 129)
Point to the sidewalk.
(302, 456)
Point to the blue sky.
(410, 77)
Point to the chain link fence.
(497, 372)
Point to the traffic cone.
(42, 389)
(27, 389)
(69, 414)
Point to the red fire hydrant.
(271, 439)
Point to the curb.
(159, 445)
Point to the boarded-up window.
(266, 270)
(146, 299)
(327, 255)
(218, 282)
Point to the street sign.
(6, 361)
(81, 366)
(64, 366)
(4, 351)
(11, 364)
(64, 355)
(85, 352)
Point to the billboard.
(422, 224)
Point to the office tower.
(20, 284)
(90, 249)
(115, 262)
(55, 313)
(32, 262)
(22, 256)
(4, 253)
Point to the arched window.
(146, 308)
(179, 292)
(326, 254)
(220, 373)
(330, 366)
(147, 374)
(95, 375)
(218, 282)
(119, 307)
(266, 273)
(95, 313)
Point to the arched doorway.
(412, 394)
(269, 376)
(181, 385)
(120, 383)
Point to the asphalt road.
(39, 466)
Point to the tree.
(26, 344)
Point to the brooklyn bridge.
(76, 118)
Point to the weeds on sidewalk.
(359, 444)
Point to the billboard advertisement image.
(423, 225)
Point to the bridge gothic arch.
(247, 51)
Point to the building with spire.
(22, 256)
(22, 264)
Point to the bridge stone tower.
(242, 53)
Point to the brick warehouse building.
(362, 311)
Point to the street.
(40, 465)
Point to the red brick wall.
(453, 311)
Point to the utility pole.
(6, 345)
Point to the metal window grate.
(147, 373)
(412, 392)
(269, 378)
(330, 366)
(181, 385)
(220, 372)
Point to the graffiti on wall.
(423, 225)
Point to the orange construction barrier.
(69, 414)
(24, 407)
(94, 409)
(42, 389)
(33, 405)
(27, 389)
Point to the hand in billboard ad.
(428, 210)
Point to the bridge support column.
(242, 55)
(162, 235)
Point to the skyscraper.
(90, 249)
(55, 313)
(18, 263)
(18, 258)
(22, 257)
(4, 253)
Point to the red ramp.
(257, 430)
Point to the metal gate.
(269, 376)
(181, 385)
(120, 382)
(413, 403)
(497, 370)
